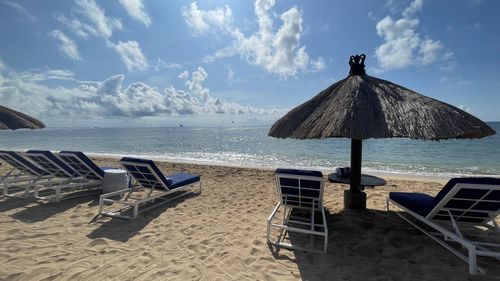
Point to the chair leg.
(472, 260)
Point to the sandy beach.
(220, 234)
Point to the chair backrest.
(50, 163)
(145, 172)
(83, 165)
(300, 188)
(20, 163)
(473, 200)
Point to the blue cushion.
(416, 202)
(80, 155)
(463, 194)
(31, 168)
(171, 181)
(297, 172)
(49, 155)
(181, 179)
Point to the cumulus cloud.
(277, 51)
(100, 24)
(96, 23)
(18, 7)
(111, 98)
(403, 46)
(200, 21)
(67, 46)
(131, 55)
(135, 9)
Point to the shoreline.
(385, 175)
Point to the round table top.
(114, 171)
(366, 180)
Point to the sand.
(219, 234)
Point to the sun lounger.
(299, 216)
(22, 176)
(154, 186)
(81, 164)
(454, 215)
(66, 180)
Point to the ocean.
(250, 146)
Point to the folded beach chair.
(299, 216)
(153, 185)
(65, 181)
(454, 217)
(23, 174)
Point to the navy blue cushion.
(171, 181)
(297, 172)
(416, 202)
(464, 193)
(26, 165)
(49, 155)
(80, 155)
(181, 179)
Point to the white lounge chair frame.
(63, 184)
(307, 226)
(154, 196)
(445, 235)
(20, 177)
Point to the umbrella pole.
(355, 198)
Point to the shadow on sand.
(122, 229)
(381, 246)
(42, 211)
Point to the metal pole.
(356, 152)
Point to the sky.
(220, 63)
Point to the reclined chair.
(301, 224)
(154, 186)
(65, 180)
(459, 208)
(22, 176)
(83, 165)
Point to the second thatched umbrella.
(360, 107)
(12, 119)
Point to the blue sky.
(209, 63)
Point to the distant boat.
(181, 125)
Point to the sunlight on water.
(250, 146)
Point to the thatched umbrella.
(12, 119)
(360, 107)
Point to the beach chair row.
(451, 218)
(69, 174)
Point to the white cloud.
(21, 10)
(403, 46)
(201, 21)
(135, 9)
(131, 54)
(67, 46)
(101, 25)
(465, 108)
(110, 98)
(277, 51)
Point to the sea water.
(250, 146)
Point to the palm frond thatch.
(12, 119)
(362, 107)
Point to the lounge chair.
(66, 180)
(458, 209)
(23, 174)
(302, 220)
(83, 165)
(155, 187)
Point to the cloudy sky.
(209, 63)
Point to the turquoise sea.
(250, 146)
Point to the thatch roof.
(12, 119)
(362, 107)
